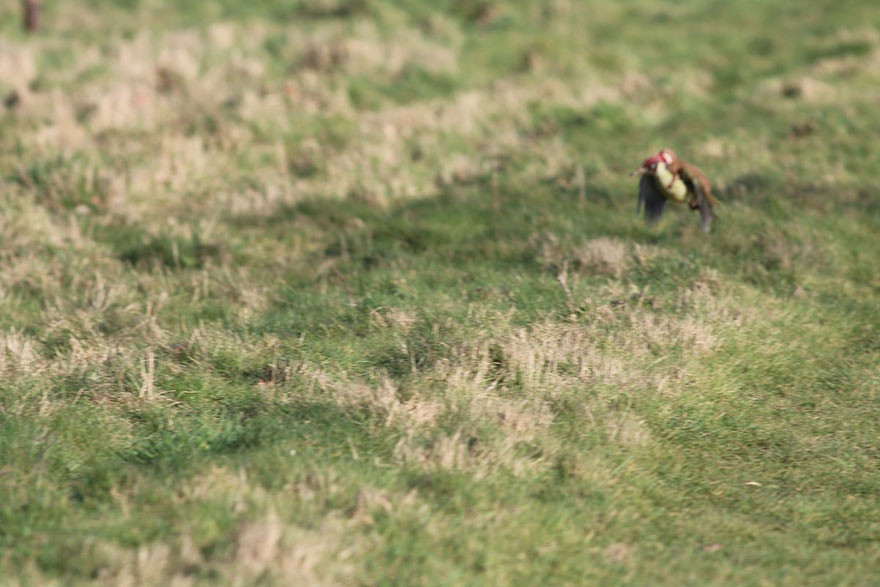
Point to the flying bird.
(666, 177)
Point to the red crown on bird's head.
(667, 156)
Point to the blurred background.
(354, 291)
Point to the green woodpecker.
(666, 177)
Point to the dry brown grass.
(267, 550)
(234, 135)
(604, 256)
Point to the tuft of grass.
(135, 246)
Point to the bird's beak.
(639, 171)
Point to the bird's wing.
(653, 200)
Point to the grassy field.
(354, 292)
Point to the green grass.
(354, 291)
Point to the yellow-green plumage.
(673, 187)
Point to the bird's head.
(665, 156)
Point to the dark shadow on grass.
(135, 246)
(245, 426)
(482, 242)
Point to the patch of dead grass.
(267, 549)
(603, 255)
(396, 318)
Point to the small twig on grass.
(31, 14)
(562, 278)
(148, 374)
(581, 179)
